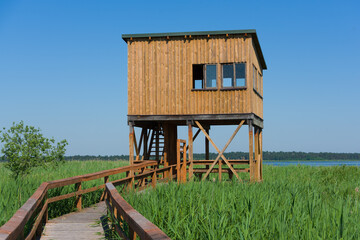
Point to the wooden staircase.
(156, 145)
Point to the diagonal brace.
(223, 150)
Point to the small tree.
(25, 148)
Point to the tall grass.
(294, 202)
(14, 193)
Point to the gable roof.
(252, 32)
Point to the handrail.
(137, 223)
(13, 229)
(15, 226)
(100, 174)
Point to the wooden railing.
(37, 204)
(138, 176)
(122, 212)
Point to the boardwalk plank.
(85, 224)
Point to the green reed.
(14, 193)
(294, 202)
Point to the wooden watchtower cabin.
(195, 79)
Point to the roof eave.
(127, 37)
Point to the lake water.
(313, 163)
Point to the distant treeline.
(240, 155)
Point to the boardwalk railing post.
(79, 197)
(171, 174)
(106, 180)
(47, 208)
(153, 182)
(132, 234)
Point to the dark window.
(211, 76)
(228, 75)
(198, 76)
(233, 75)
(240, 75)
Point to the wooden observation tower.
(195, 79)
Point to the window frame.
(205, 76)
(255, 76)
(234, 87)
(257, 83)
(204, 80)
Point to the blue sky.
(63, 68)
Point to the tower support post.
(251, 152)
(131, 150)
(190, 151)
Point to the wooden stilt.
(190, 146)
(220, 170)
(183, 172)
(157, 155)
(251, 149)
(193, 139)
(131, 152)
(256, 157)
(207, 154)
(178, 159)
(261, 155)
(145, 144)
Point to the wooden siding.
(160, 76)
(257, 101)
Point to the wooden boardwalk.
(85, 224)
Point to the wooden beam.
(146, 138)
(207, 155)
(212, 119)
(225, 147)
(221, 152)
(137, 150)
(190, 146)
(157, 156)
(131, 152)
(183, 172)
(261, 155)
(141, 138)
(251, 149)
(256, 157)
(178, 156)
